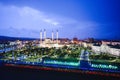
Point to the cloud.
(36, 15)
(29, 18)
(26, 17)
(26, 21)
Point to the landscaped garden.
(104, 57)
(35, 54)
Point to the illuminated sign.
(62, 63)
(104, 66)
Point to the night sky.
(72, 18)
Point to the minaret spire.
(41, 36)
(44, 34)
(57, 36)
(52, 36)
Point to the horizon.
(74, 18)
(59, 38)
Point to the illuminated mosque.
(49, 42)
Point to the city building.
(106, 49)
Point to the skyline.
(73, 18)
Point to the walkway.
(84, 59)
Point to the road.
(84, 59)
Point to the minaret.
(44, 34)
(52, 36)
(57, 36)
(41, 36)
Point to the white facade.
(115, 51)
(96, 49)
(106, 49)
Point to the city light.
(62, 63)
(55, 52)
(104, 66)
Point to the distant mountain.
(6, 38)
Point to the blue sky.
(73, 18)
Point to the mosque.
(49, 42)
